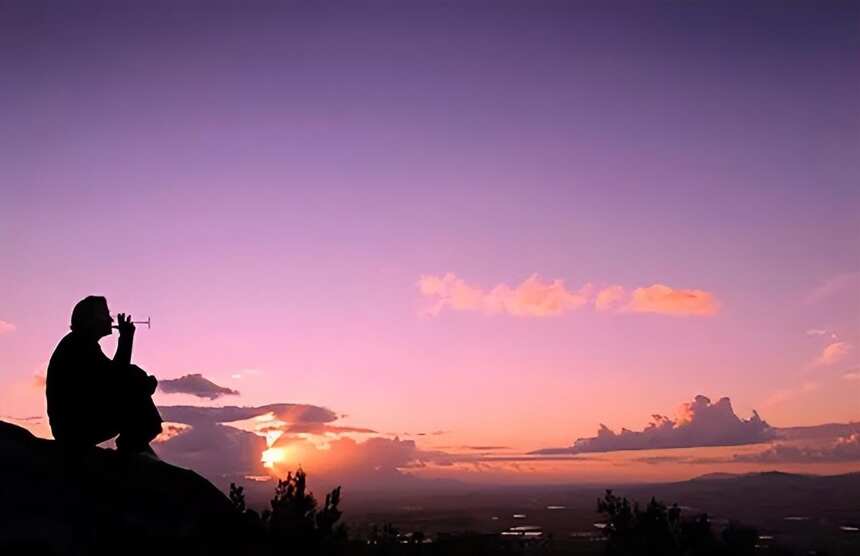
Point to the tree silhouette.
(237, 497)
(294, 523)
(659, 530)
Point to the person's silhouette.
(92, 398)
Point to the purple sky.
(270, 185)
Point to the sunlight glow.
(272, 456)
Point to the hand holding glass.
(147, 322)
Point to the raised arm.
(125, 342)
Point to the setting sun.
(272, 456)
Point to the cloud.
(216, 451)
(845, 448)
(196, 385)
(853, 374)
(319, 428)
(700, 423)
(657, 298)
(6, 327)
(787, 394)
(532, 298)
(242, 373)
(287, 412)
(834, 285)
(833, 353)
(374, 464)
(228, 443)
(198, 438)
(170, 431)
(347, 455)
(816, 332)
(609, 299)
(658, 460)
(664, 300)
(535, 297)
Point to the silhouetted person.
(92, 398)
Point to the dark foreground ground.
(803, 513)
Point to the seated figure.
(92, 398)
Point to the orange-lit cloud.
(531, 298)
(833, 353)
(376, 463)
(609, 299)
(240, 441)
(664, 300)
(6, 327)
(169, 431)
(537, 298)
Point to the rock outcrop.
(105, 502)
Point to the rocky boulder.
(105, 502)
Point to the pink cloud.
(535, 297)
(664, 300)
(532, 298)
(6, 327)
(833, 353)
(609, 299)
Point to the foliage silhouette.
(295, 522)
(659, 530)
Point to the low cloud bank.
(231, 443)
(201, 438)
(845, 448)
(287, 412)
(700, 423)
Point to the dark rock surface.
(104, 502)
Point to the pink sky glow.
(453, 230)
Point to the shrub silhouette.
(659, 530)
(295, 523)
